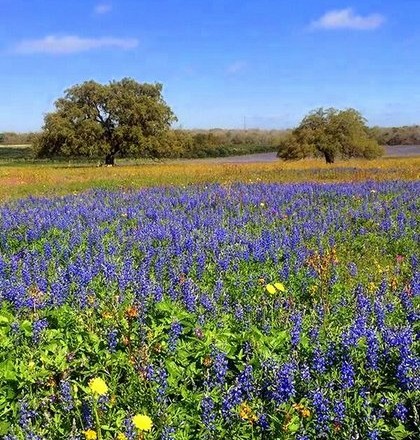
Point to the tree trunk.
(110, 159)
(329, 157)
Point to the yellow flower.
(90, 435)
(246, 413)
(270, 289)
(280, 287)
(142, 422)
(305, 413)
(98, 386)
(121, 436)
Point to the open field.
(238, 311)
(203, 300)
(48, 179)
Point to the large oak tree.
(123, 117)
(330, 133)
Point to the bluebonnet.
(15, 328)
(33, 436)
(339, 411)
(103, 402)
(352, 269)
(247, 349)
(230, 400)
(263, 422)
(347, 374)
(160, 377)
(168, 433)
(174, 334)
(239, 312)
(372, 352)
(356, 331)
(284, 387)
(408, 372)
(242, 390)
(305, 373)
(65, 394)
(87, 415)
(26, 415)
(400, 412)
(38, 328)
(189, 296)
(112, 340)
(321, 409)
(219, 368)
(296, 319)
(208, 415)
(374, 435)
(245, 382)
(129, 429)
(412, 315)
(319, 362)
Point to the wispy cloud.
(348, 19)
(236, 67)
(71, 44)
(103, 8)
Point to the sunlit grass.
(54, 179)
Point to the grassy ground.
(53, 179)
(14, 153)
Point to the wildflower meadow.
(237, 311)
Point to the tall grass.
(55, 179)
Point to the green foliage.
(123, 117)
(146, 372)
(12, 138)
(406, 135)
(222, 143)
(330, 133)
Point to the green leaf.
(7, 370)
(400, 432)
(4, 428)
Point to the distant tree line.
(130, 119)
(192, 143)
(407, 135)
(220, 142)
(12, 138)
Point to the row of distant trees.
(13, 138)
(407, 135)
(130, 119)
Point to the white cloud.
(72, 44)
(102, 8)
(348, 19)
(236, 67)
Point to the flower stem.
(97, 422)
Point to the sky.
(223, 63)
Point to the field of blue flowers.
(258, 311)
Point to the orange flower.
(132, 312)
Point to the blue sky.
(268, 61)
